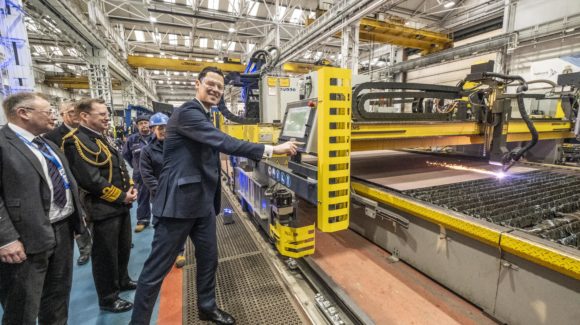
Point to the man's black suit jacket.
(189, 184)
(57, 134)
(25, 196)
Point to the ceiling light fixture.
(448, 3)
(152, 19)
(232, 30)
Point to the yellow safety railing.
(334, 126)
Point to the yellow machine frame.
(338, 136)
(334, 128)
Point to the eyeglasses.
(216, 86)
(49, 112)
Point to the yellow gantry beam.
(373, 30)
(137, 61)
(72, 82)
(397, 135)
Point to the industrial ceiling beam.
(71, 20)
(342, 13)
(397, 29)
(71, 82)
(373, 30)
(196, 66)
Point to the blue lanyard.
(51, 157)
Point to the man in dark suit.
(131, 153)
(188, 198)
(39, 214)
(70, 121)
(101, 172)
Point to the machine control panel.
(299, 125)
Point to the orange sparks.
(463, 167)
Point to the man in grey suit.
(39, 214)
(188, 198)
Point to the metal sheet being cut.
(403, 171)
(539, 201)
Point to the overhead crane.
(373, 30)
(76, 82)
(137, 61)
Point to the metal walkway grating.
(246, 285)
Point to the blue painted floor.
(84, 307)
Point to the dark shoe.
(180, 261)
(131, 285)
(118, 306)
(83, 259)
(217, 316)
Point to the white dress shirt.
(55, 213)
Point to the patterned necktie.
(58, 188)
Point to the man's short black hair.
(86, 104)
(206, 70)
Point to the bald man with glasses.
(39, 213)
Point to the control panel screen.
(295, 123)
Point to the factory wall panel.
(534, 12)
(450, 73)
(529, 60)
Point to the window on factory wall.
(73, 52)
(139, 36)
(213, 4)
(253, 7)
(296, 16)
(280, 11)
(232, 46)
(56, 51)
(187, 41)
(251, 47)
(172, 39)
(234, 6)
(217, 44)
(40, 49)
(203, 43)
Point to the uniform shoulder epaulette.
(91, 156)
(70, 134)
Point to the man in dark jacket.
(131, 153)
(39, 211)
(152, 154)
(152, 162)
(70, 121)
(101, 172)
(188, 198)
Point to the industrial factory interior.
(290, 162)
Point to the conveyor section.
(544, 203)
